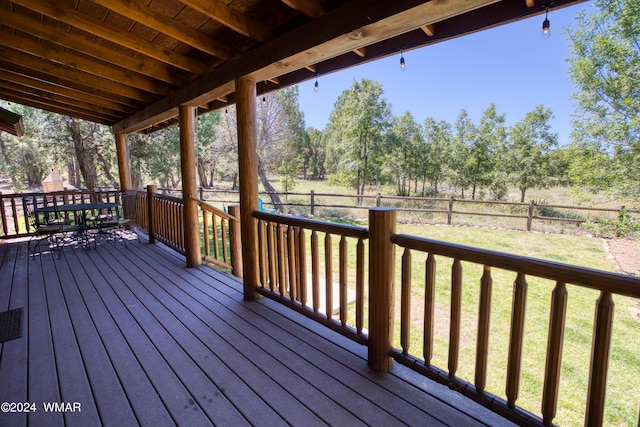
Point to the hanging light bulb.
(546, 25)
(316, 87)
(264, 92)
(402, 64)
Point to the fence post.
(313, 203)
(201, 190)
(382, 225)
(378, 199)
(450, 211)
(532, 204)
(235, 241)
(150, 216)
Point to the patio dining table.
(80, 211)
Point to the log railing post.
(151, 189)
(382, 225)
(235, 240)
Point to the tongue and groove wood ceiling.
(129, 64)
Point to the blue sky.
(511, 66)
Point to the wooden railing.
(12, 215)
(317, 290)
(220, 233)
(523, 268)
(291, 256)
(162, 217)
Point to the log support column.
(248, 171)
(382, 225)
(124, 162)
(189, 188)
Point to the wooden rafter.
(100, 29)
(145, 66)
(231, 18)
(310, 8)
(143, 15)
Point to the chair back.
(35, 220)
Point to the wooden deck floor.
(132, 337)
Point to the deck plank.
(13, 353)
(139, 339)
(143, 398)
(280, 377)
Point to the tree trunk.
(86, 162)
(107, 170)
(275, 198)
(522, 193)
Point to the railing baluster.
(328, 273)
(293, 278)
(262, 252)
(315, 277)
(271, 254)
(281, 259)
(516, 339)
(557, 316)
(223, 233)
(343, 280)
(214, 234)
(205, 226)
(302, 266)
(456, 312)
(484, 314)
(405, 302)
(360, 286)
(429, 306)
(600, 346)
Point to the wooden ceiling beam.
(65, 73)
(150, 68)
(310, 8)
(99, 28)
(67, 88)
(231, 18)
(143, 15)
(429, 30)
(71, 103)
(51, 53)
(33, 84)
(47, 105)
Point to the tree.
(359, 121)
(605, 66)
(403, 161)
(528, 156)
(205, 155)
(314, 154)
(462, 141)
(438, 139)
(489, 136)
